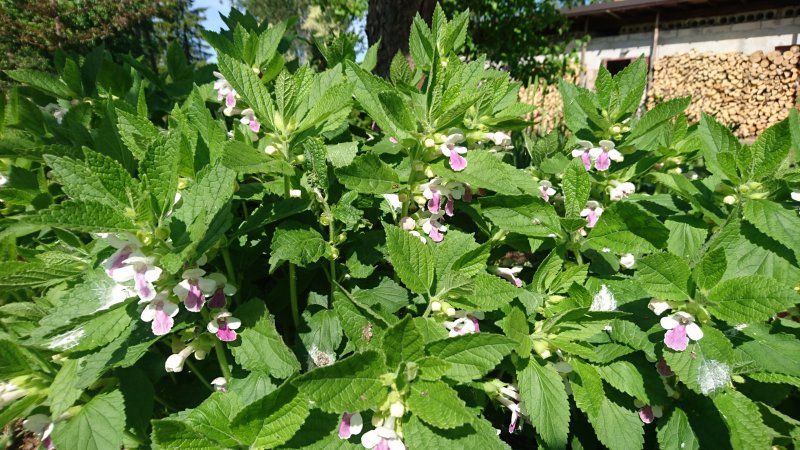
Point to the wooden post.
(653, 56)
(583, 53)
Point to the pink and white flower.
(160, 312)
(10, 392)
(194, 289)
(510, 274)
(175, 362)
(350, 425)
(546, 190)
(584, 154)
(383, 437)
(220, 384)
(627, 260)
(604, 154)
(499, 139)
(680, 328)
(454, 152)
(249, 118)
(142, 270)
(509, 397)
(433, 227)
(592, 212)
(224, 326)
(622, 190)
(225, 91)
(223, 289)
(466, 322)
(125, 244)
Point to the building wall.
(745, 37)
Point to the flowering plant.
(266, 256)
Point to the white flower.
(10, 392)
(142, 271)
(160, 312)
(397, 409)
(466, 322)
(627, 260)
(499, 139)
(224, 326)
(604, 300)
(603, 155)
(295, 193)
(510, 274)
(622, 190)
(220, 384)
(174, 362)
(454, 152)
(394, 202)
(546, 190)
(592, 212)
(194, 289)
(3, 180)
(729, 199)
(796, 196)
(249, 118)
(383, 437)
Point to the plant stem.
(293, 296)
(226, 256)
(222, 360)
(199, 375)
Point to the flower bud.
(220, 384)
(729, 199)
(616, 129)
(325, 219)
(295, 193)
(270, 149)
(397, 409)
(407, 223)
(436, 306)
(430, 143)
(334, 253)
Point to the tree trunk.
(390, 21)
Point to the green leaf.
(750, 299)
(88, 217)
(770, 149)
(411, 259)
(471, 356)
(587, 388)
(665, 276)
(42, 81)
(545, 398)
(526, 215)
(248, 85)
(768, 350)
(515, 326)
(403, 342)
(137, 133)
(438, 404)
(369, 175)
(12, 360)
(479, 434)
(676, 433)
(98, 425)
(631, 82)
(709, 271)
(686, 236)
(775, 221)
(262, 349)
(301, 246)
(243, 158)
(273, 420)
(316, 163)
(486, 171)
(342, 155)
(80, 181)
(488, 294)
(744, 422)
(618, 428)
(351, 384)
(576, 185)
(625, 377)
(645, 130)
(159, 170)
(720, 147)
(626, 228)
(689, 364)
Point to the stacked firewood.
(747, 92)
(549, 108)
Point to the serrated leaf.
(471, 356)
(88, 217)
(665, 276)
(98, 425)
(488, 293)
(626, 228)
(42, 81)
(159, 170)
(248, 85)
(81, 182)
(676, 433)
(744, 422)
(12, 360)
(438, 404)
(775, 221)
(486, 171)
(625, 377)
(369, 175)
(576, 185)
(714, 346)
(301, 246)
(545, 398)
(768, 350)
(243, 158)
(618, 428)
(342, 155)
(403, 342)
(411, 259)
(262, 349)
(686, 236)
(750, 299)
(526, 215)
(273, 420)
(351, 384)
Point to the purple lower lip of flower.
(603, 162)
(383, 444)
(544, 193)
(676, 338)
(255, 125)
(142, 286)
(344, 426)
(513, 425)
(591, 219)
(224, 333)
(194, 298)
(436, 235)
(230, 100)
(663, 369)
(218, 299)
(475, 322)
(435, 202)
(449, 206)
(587, 162)
(162, 323)
(457, 162)
(467, 197)
(124, 254)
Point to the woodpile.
(549, 111)
(747, 92)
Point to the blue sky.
(212, 20)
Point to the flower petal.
(669, 323)
(676, 338)
(694, 332)
(457, 162)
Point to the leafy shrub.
(325, 260)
